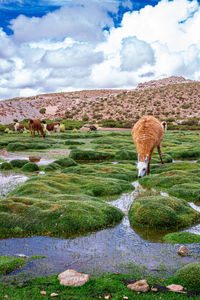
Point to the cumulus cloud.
(135, 53)
(72, 48)
(82, 20)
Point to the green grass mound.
(126, 155)
(71, 142)
(166, 158)
(65, 162)
(104, 140)
(169, 179)
(3, 144)
(182, 238)
(51, 167)
(179, 166)
(189, 276)
(38, 146)
(5, 166)
(17, 146)
(89, 155)
(18, 163)
(187, 191)
(126, 172)
(9, 264)
(87, 135)
(30, 167)
(162, 212)
(185, 154)
(60, 205)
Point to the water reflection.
(9, 181)
(110, 250)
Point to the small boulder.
(139, 286)
(183, 251)
(175, 288)
(73, 278)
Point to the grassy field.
(70, 195)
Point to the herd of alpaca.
(147, 134)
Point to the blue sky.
(12, 9)
(64, 45)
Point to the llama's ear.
(146, 159)
(138, 158)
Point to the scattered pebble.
(183, 251)
(108, 296)
(54, 295)
(43, 293)
(22, 255)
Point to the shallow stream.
(115, 249)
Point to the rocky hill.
(170, 97)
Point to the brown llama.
(34, 125)
(147, 134)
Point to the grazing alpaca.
(92, 128)
(34, 125)
(164, 125)
(147, 134)
(52, 127)
(19, 127)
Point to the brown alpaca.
(147, 134)
(18, 126)
(51, 127)
(34, 125)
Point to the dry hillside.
(165, 98)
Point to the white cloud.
(68, 49)
(82, 20)
(135, 53)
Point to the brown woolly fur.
(147, 134)
(34, 125)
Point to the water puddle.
(115, 249)
(11, 156)
(9, 181)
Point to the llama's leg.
(148, 164)
(160, 153)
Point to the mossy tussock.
(169, 179)
(17, 146)
(30, 167)
(9, 264)
(162, 212)
(60, 205)
(189, 276)
(5, 166)
(189, 191)
(182, 238)
(90, 155)
(18, 163)
(126, 172)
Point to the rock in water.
(183, 251)
(139, 286)
(73, 278)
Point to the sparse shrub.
(42, 110)
(85, 118)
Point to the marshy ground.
(82, 207)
